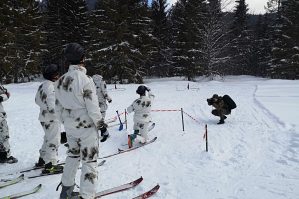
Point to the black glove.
(148, 89)
(63, 138)
(104, 134)
(102, 124)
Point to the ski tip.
(138, 180)
(22, 176)
(102, 162)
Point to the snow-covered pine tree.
(215, 40)
(261, 53)
(188, 18)
(160, 54)
(102, 28)
(20, 39)
(272, 6)
(141, 36)
(65, 22)
(121, 52)
(285, 53)
(241, 47)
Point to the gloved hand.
(109, 99)
(7, 94)
(102, 124)
(63, 138)
(104, 134)
(148, 89)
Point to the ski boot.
(40, 162)
(131, 139)
(221, 121)
(52, 169)
(5, 159)
(67, 192)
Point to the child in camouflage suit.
(45, 99)
(142, 115)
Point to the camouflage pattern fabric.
(101, 91)
(77, 107)
(4, 132)
(45, 99)
(142, 115)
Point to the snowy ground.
(255, 154)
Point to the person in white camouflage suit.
(102, 93)
(45, 99)
(142, 115)
(78, 109)
(5, 156)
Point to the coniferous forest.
(127, 40)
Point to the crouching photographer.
(223, 106)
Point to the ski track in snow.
(255, 154)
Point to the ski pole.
(182, 119)
(126, 121)
(121, 126)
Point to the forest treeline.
(127, 40)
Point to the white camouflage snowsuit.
(78, 108)
(4, 133)
(45, 99)
(142, 116)
(102, 93)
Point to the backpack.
(229, 101)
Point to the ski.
(46, 174)
(148, 193)
(136, 147)
(61, 163)
(151, 127)
(120, 151)
(59, 172)
(8, 182)
(24, 193)
(119, 188)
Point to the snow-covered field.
(254, 155)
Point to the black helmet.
(141, 90)
(74, 53)
(50, 71)
(215, 96)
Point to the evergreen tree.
(188, 19)
(285, 53)
(65, 22)
(122, 52)
(215, 40)
(272, 6)
(160, 54)
(260, 57)
(20, 39)
(241, 36)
